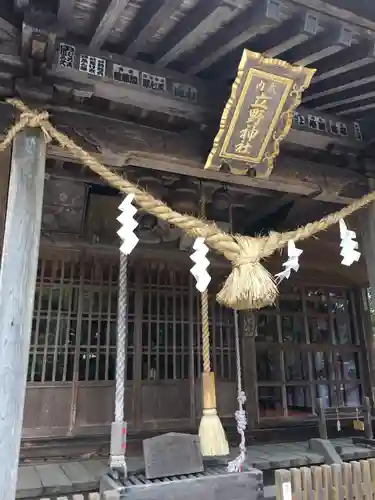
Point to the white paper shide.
(349, 247)
(292, 264)
(128, 225)
(199, 270)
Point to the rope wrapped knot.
(249, 285)
(241, 421)
(28, 118)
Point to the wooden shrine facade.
(312, 344)
(141, 85)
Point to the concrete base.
(211, 485)
(325, 447)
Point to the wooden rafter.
(336, 12)
(247, 25)
(8, 31)
(300, 28)
(328, 42)
(147, 22)
(302, 40)
(347, 81)
(106, 23)
(354, 57)
(185, 36)
(355, 110)
(208, 38)
(348, 100)
(65, 13)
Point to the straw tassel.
(211, 432)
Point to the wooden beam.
(187, 36)
(357, 110)
(8, 22)
(122, 144)
(298, 29)
(175, 94)
(17, 284)
(349, 80)
(248, 24)
(353, 58)
(8, 32)
(146, 23)
(286, 35)
(106, 23)
(337, 12)
(332, 105)
(65, 14)
(333, 39)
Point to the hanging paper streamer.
(128, 224)
(349, 247)
(291, 264)
(199, 271)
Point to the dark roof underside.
(205, 38)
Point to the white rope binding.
(240, 415)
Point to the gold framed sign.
(258, 114)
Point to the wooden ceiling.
(205, 38)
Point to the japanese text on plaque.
(265, 93)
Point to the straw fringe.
(249, 285)
(212, 436)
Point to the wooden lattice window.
(75, 315)
(307, 346)
(171, 327)
(55, 322)
(74, 323)
(97, 343)
(165, 323)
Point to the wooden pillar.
(366, 221)
(17, 288)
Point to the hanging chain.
(121, 338)
(205, 321)
(240, 415)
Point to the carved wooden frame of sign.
(258, 114)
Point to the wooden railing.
(346, 481)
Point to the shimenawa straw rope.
(249, 285)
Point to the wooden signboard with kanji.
(258, 114)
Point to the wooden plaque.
(258, 114)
